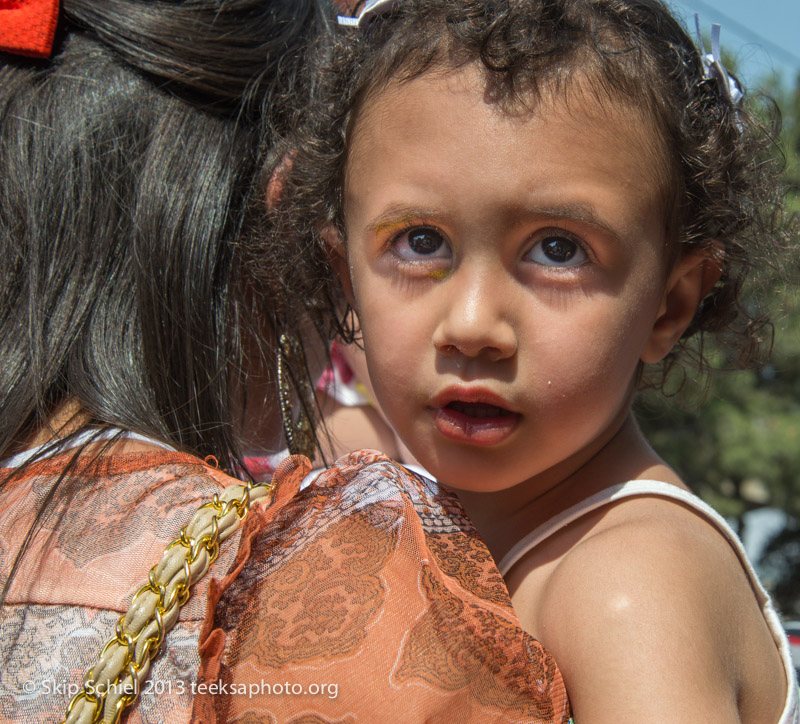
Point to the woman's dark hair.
(133, 169)
(721, 183)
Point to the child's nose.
(475, 319)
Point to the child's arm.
(651, 619)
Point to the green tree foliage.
(789, 102)
(737, 442)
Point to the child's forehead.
(580, 103)
(437, 148)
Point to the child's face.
(508, 272)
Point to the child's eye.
(421, 244)
(557, 249)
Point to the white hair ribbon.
(371, 7)
(713, 66)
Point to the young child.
(529, 203)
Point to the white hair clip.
(371, 7)
(714, 69)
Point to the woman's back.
(140, 295)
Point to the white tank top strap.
(615, 493)
(634, 488)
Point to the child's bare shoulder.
(628, 557)
(645, 551)
(647, 596)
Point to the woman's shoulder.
(365, 477)
(366, 493)
(114, 516)
(143, 484)
(373, 573)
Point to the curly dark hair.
(722, 182)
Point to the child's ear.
(337, 257)
(694, 275)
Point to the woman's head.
(137, 279)
(707, 157)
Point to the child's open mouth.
(477, 423)
(477, 409)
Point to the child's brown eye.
(425, 241)
(558, 250)
(421, 244)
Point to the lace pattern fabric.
(366, 595)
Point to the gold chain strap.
(114, 682)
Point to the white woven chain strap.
(116, 679)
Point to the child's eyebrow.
(577, 211)
(397, 215)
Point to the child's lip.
(455, 423)
(474, 395)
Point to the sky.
(762, 34)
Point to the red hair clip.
(27, 27)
